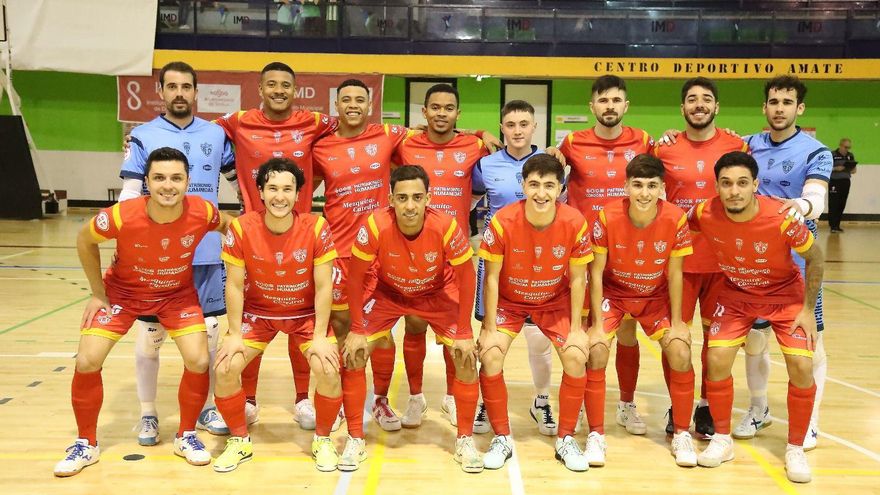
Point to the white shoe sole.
(67, 474)
(228, 469)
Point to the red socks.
(627, 364)
(191, 395)
(571, 396)
(382, 361)
(450, 369)
(249, 377)
(593, 395)
(720, 395)
(681, 391)
(704, 370)
(86, 396)
(302, 372)
(800, 407)
(326, 411)
(466, 397)
(414, 351)
(232, 410)
(354, 395)
(495, 399)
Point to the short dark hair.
(736, 159)
(166, 154)
(606, 82)
(543, 164)
(178, 66)
(517, 106)
(409, 172)
(703, 82)
(644, 166)
(441, 88)
(281, 66)
(786, 81)
(277, 165)
(352, 82)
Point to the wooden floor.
(43, 293)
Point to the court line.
(768, 468)
(15, 255)
(514, 473)
(344, 481)
(841, 294)
(378, 457)
(51, 312)
(839, 382)
(46, 279)
(105, 457)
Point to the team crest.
(439, 155)
(700, 166)
(337, 294)
(500, 319)
(760, 247)
(610, 155)
(431, 256)
(739, 244)
(362, 237)
(558, 251)
(460, 156)
(279, 257)
(538, 251)
(489, 237)
(597, 231)
(297, 136)
(207, 148)
(187, 240)
(104, 319)
(371, 149)
(245, 327)
(629, 155)
(640, 246)
(787, 165)
(660, 246)
(350, 153)
(165, 242)
(299, 255)
(186, 147)
(102, 221)
(277, 136)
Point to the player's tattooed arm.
(815, 261)
(90, 259)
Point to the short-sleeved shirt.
(598, 166)
(755, 256)
(257, 139)
(356, 174)
(499, 177)
(449, 166)
(690, 179)
(637, 257)
(279, 268)
(785, 167)
(209, 154)
(534, 263)
(152, 260)
(415, 266)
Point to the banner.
(220, 93)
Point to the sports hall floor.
(44, 289)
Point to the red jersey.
(152, 260)
(412, 267)
(449, 168)
(637, 257)
(356, 174)
(755, 256)
(279, 273)
(534, 263)
(690, 179)
(598, 166)
(257, 139)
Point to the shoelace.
(351, 449)
(715, 449)
(147, 424)
(682, 442)
(469, 449)
(497, 443)
(76, 450)
(384, 409)
(193, 442)
(481, 415)
(548, 414)
(569, 447)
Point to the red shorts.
(652, 314)
(340, 282)
(257, 331)
(383, 308)
(734, 318)
(180, 315)
(555, 324)
(704, 287)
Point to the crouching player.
(640, 242)
(423, 266)
(753, 243)
(536, 252)
(278, 279)
(151, 274)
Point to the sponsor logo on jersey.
(375, 166)
(301, 271)
(537, 268)
(280, 273)
(277, 136)
(277, 154)
(739, 244)
(255, 137)
(187, 240)
(186, 255)
(206, 167)
(439, 173)
(760, 260)
(700, 166)
(299, 255)
(279, 258)
(351, 152)
(355, 170)
(640, 246)
(589, 157)
(611, 173)
(439, 156)
(640, 262)
(298, 154)
(610, 155)
(165, 243)
(558, 267)
(102, 221)
(741, 259)
(458, 173)
(701, 184)
(538, 251)
(659, 261)
(104, 319)
(163, 259)
(297, 136)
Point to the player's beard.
(700, 125)
(186, 112)
(785, 125)
(613, 123)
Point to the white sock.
(703, 403)
(213, 327)
(542, 400)
(540, 358)
(820, 372)
(149, 340)
(758, 369)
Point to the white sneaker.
(580, 421)
(568, 451)
(796, 466)
(500, 450)
(251, 413)
(416, 409)
(543, 415)
(812, 436)
(449, 410)
(683, 449)
(304, 414)
(211, 421)
(752, 422)
(353, 455)
(79, 455)
(192, 449)
(481, 420)
(339, 419)
(384, 416)
(149, 431)
(595, 450)
(466, 454)
(720, 449)
(628, 417)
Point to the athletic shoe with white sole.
(752, 422)
(683, 449)
(324, 453)
(596, 448)
(354, 453)
(237, 451)
(628, 417)
(797, 469)
(149, 431)
(466, 454)
(719, 450)
(481, 420)
(251, 413)
(192, 449)
(384, 416)
(416, 409)
(568, 451)
(211, 421)
(543, 416)
(304, 414)
(79, 455)
(500, 450)
(447, 407)
(812, 437)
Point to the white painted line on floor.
(15, 255)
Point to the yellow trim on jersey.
(255, 344)
(317, 117)
(645, 137)
(700, 208)
(480, 143)
(685, 251)
(237, 226)
(807, 245)
(100, 332)
(461, 259)
(570, 137)
(306, 345)
(600, 249)
(583, 260)
(792, 351)
(339, 307)
(785, 223)
(330, 256)
(728, 343)
(232, 260)
(745, 148)
(95, 235)
(507, 332)
(486, 255)
(362, 255)
(498, 228)
(210, 207)
(602, 218)
(581, 233)
(117, 216)
(180, 332)
(318, 226)
(683, 220)
(449, 232)
(440, 339)
(658, 334)
(371, 222)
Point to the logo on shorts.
(489, 237)
(165, 242)
(102, 221)
(640, 246)
(230, 238)
(279, 257)
(207, 148)
(629, 155)
(337, 294)
(760, 247)
(439, 156)
(739, 244)
(371, 149)
(187, 240)
(558, 251)
(460, 156)
(104, 319)
(299, 255)
(246, 327)
(597, 231)
(431, 256)
(500, 319)
(184, 315)
(660, 246)
(297, 136)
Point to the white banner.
(113, 37)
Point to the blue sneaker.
(211, 421)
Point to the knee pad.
(213, 327)
(756, 342)
(149, 339)
(538, 343)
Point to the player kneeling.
(640, 242)
(536, 252)
(423, 266)
(286, 258)
(151, 274)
